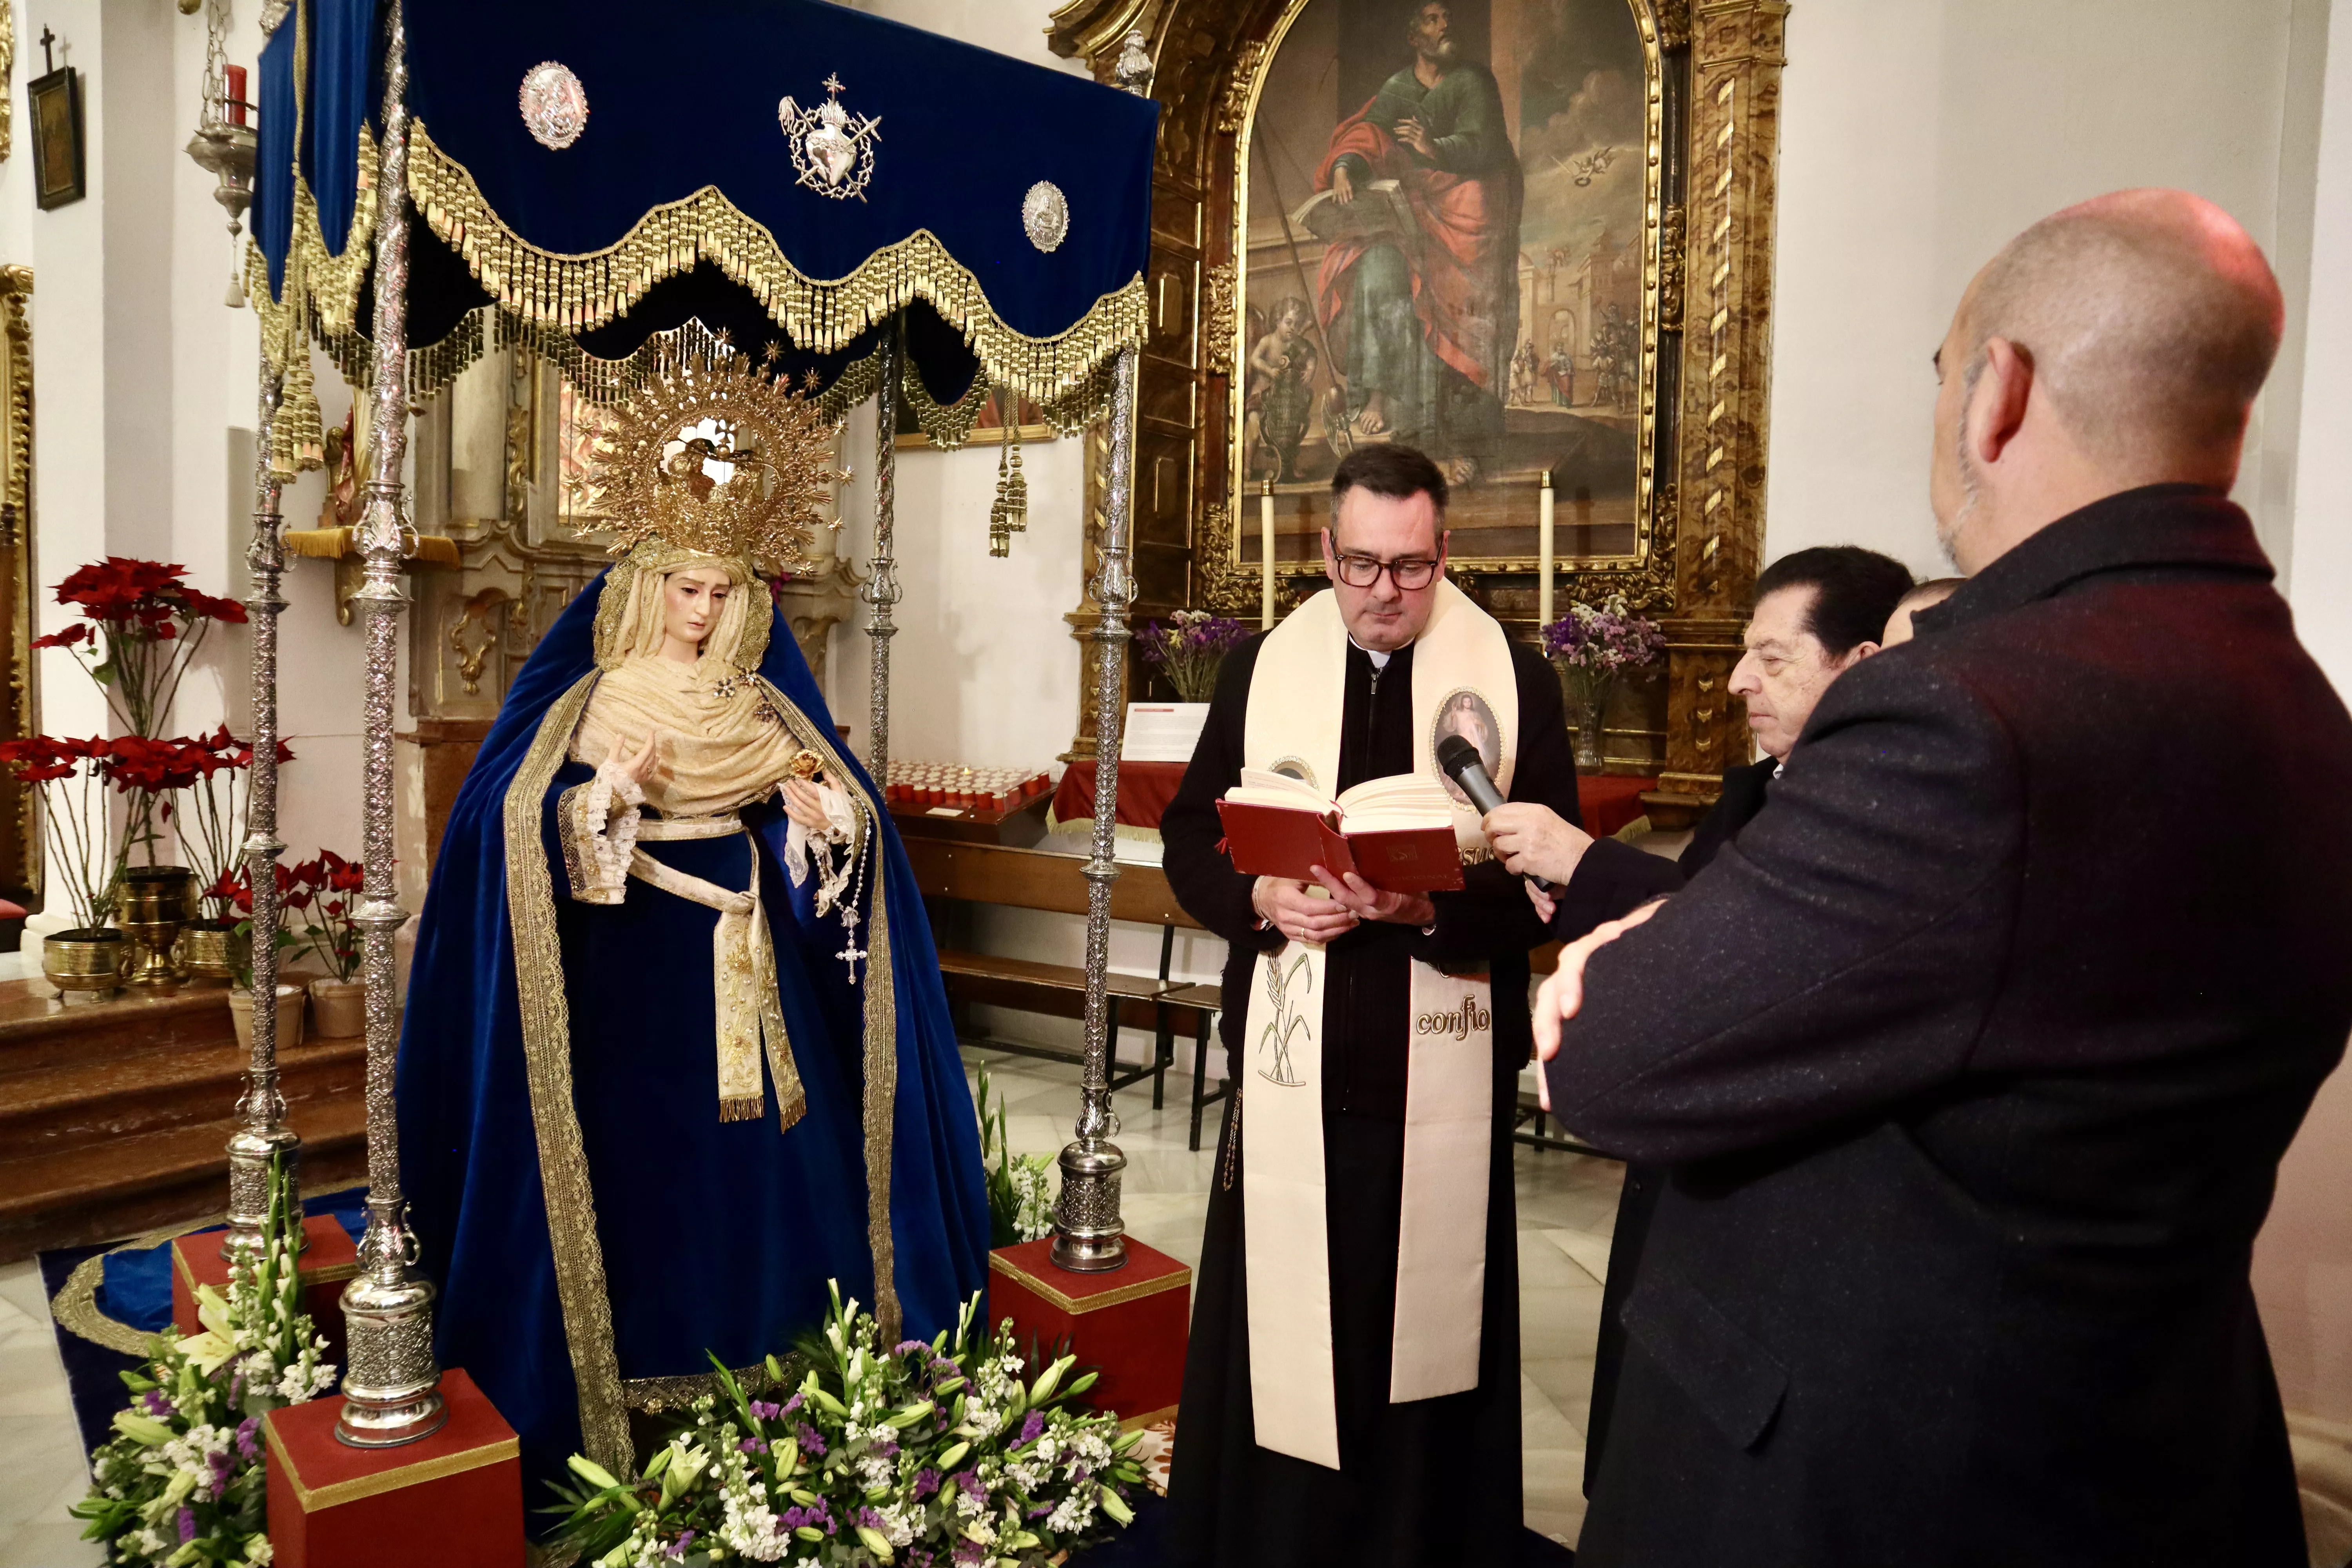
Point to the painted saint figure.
(676, 1051)
(1426, 322)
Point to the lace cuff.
(597, 840)
(817, 849)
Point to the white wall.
(2303, 1268)
(1917, 136)
(145, 393)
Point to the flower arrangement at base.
(1020, 1186)
(182, 1483)
(928, 1455)
(1190, 647)
(1590, 648)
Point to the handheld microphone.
(1462, 764)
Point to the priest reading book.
(1351, 1393)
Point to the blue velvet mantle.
(683, 1202)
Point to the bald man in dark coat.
(1976, 1054)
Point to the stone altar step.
(115, 1115)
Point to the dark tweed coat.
(1974, 1058)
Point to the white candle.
(1265, 556)
(1544, 556)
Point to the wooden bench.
(1038, 879)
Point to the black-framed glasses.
(1363, 571)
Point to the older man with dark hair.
(1975, 1056)
(1818, 614)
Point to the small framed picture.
(57, 138)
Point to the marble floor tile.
(1590, 1252)
(20, 1286)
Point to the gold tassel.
(742, 1107)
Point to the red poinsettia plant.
(329, 886)
(71, 777)
(212, 826)
(141, 627)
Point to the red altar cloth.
(1144, 791)
(1609, 800)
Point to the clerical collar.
(1380, 660)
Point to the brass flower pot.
(84, 960)
(215, 950)
(155, 902)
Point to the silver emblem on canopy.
(554, 105)
(832, 150)
(1045, 214)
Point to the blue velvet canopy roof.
(684, 197)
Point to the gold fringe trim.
(75, 1306)
(334, 543)
(571, 1198)
(573, 293)
(742, 1107)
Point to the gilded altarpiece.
(1618, 335)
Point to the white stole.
(1296, 703)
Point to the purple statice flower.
(885, 1449)
(970, 1481)
(969, 1554)
(1041, 1511)
(751, 1446)
(157, 1405)
(909, 1347)
(187, 1525)
(871, 1520)
(676, 1549)
(927, 1481)
(245, 1442)
(811, 1444)
(1031, 1427)
(1081, 1475)
(766, 1411)
(790, 1406)
(818, 1515)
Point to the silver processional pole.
(265, 1132)
(1089, 1238)
(881, 590)
(392, 1387)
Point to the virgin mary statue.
(675, 1052)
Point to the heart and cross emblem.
(832, 149)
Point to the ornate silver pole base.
(1088, 1236)
(391, 1389)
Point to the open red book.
(1396, 833)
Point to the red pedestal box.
(450, 1500)
(327, 1264)
(1130, 1323)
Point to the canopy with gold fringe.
(588, 174)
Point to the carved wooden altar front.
(1689, 551)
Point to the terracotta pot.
(338, 1008)
(85, 960)
(289, 1015)
(215, 950)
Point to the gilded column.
(265, 1132)
(881, 590)
(1737, 55)
(392, 1387)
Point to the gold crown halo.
(718, 458)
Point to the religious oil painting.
(1448, 240)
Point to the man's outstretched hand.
(1561, 995)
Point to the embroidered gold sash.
(1462, 683)
(743, 979)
